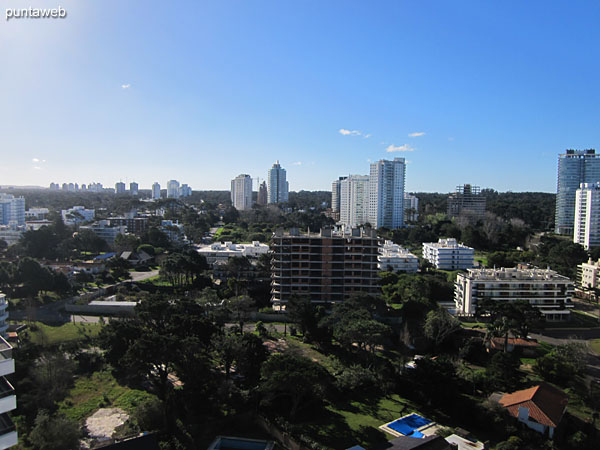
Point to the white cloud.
(350, 132)
(125, 86)
(37, 168)
(367, 136)
(35, 160)
(399, 148)
(297, 163)
(416, 134)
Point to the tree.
(440, 325)
(295, 378)
(3, 245)
(126, 243)
(55, 432)
(240, 308)
(119, 268)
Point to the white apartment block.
(543, 288)
(587, 274)
(354, 200)
(77, 215)
(447, 254)
(12, 210)
(3, 314)
(386, 193)
(411, 208)
(587, 215)
(221, 251)
(394, 258)
(241, 192)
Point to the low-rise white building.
(10, 235)
(542, 288)
(587, 274)
(77, 215)
(447, 254)
(103, 230)
(36, 214)
(222, 251)
(397, 259)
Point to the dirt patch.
(102, 424)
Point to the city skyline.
(464, 91)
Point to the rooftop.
(505, 273)
(546, 403)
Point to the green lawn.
(357, 422)
(595, 345)
(99, 390)
(51, 335)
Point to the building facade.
(263, 194)
(354, 200)
(394, 258)
(241, 192)
(221, 251)
(134, 188)
(587, 275)
(574, 168)
(335, 194)
(120, 187)
(447, 254)
(411, 208)
(103, 230)
(8, 398)
(466, 202)
(326, 267)
(278, 187)
(542, 288)
(587, 215)
(173, 189)
(156, 191)
(386, 193)
(12, 210)
(77, 215)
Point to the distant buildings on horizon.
(174, 189)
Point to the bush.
(149, 415)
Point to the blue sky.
(202, 91)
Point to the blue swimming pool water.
(409, 424)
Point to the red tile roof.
(546, 403)
(517, 342)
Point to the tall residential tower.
(241, 192)
(386, 193)
(574, 168)
(277, 185)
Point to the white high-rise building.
(133, 188)
(120, 187)
(354, 200)
(241, 192)
(12, 210)
(173, 189)
(386, 193)
(277, 186)
(156, 190)
(587, 215)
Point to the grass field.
(99, 390)
(595, 345)
(357, 422)
(69, 332)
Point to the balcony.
(7, 363)
(8, 432)
(8, 399)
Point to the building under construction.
(466, 202)
(326, 267)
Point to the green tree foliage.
(165, 334)
(126, 243)
(55, 432)
(183, 270)
(119, 268)
(294, 380)
(440, 325)
(512, 443)
(561, 255)
(502, 371)
(562, 364)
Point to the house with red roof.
(540, 407)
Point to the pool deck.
(426, 430)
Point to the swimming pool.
(408, 425)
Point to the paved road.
(141, 276)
